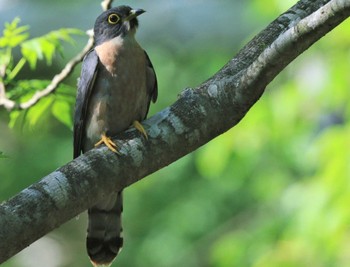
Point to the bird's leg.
(108, 142)
(140, 128)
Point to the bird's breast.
(119, 95)
(108, 53)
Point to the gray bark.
(198, 116)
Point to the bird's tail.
(104, 239)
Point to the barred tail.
(104, 239)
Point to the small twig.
(106, 4)
(57, 79)
(4, 101)
(2, 85)
(2, 90)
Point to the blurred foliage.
(272, 191)
(41, 48)
(59, 105)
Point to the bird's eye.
(113, 19)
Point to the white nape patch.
(213, 90)
(118, 41)
(127, 25)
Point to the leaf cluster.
(16, 38)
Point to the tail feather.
(104, 240)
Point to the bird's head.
(117, 21)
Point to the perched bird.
(116, 86)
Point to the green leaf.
(46, 46)
(32, 51)
(62, 111)
(39, 111)
(14, 118)
(49, 48)
(65, 34)
(62, 108)
(13, 35)
(22, 90)
(59, 104)
(29, 119)
(13, 73)
(5, 57)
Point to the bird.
(116, 86)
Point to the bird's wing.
(85, 85)
(152, 85)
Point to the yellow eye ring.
(113, 19)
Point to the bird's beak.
(134, 13)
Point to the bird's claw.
(108, 142)
(140, 128)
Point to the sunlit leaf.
(22, 90)
(49, 48)
(32, 51)
(4, 57)
(46, 46)
(14, 116)
(60, 103)
(65, 34)
(63, 112)
(38, 112)
(63, 105)
(13, 35)
(30, 118)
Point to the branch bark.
(195, 118)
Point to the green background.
(272, 191)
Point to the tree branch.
(195, 118)
(106, 4)
(4, 101)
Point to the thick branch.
(195, 118)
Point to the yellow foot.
(140, 128)
(108, 142)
